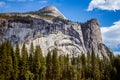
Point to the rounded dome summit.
(53, 11)
(49, 8)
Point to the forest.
(23, 64)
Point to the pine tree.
(73, 72)
(49, 66)
(3, 57)
(79, 68)
(83, 61)
(15, 71)
(62, 66)
(95, 66)
(9, 68)
(17, 53)
(117, 66)
(56, 66)
(31, 57)
(24, 62)
(88, 70)
(9, 61)
(73, 68)
(73, 61)
(16, 62)
(36, 66)
(66, 68)
(42, 70)
(15, 68)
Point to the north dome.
(53, 11)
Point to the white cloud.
(116, 53)
(2, 4)
(111, 35)
(104, 5)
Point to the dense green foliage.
(21, 64)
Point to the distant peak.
(53, 11)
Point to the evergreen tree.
(73, 61)
(79, 68)
(56, 66)
(15, 68)
(17, 53)
(62, 65)
(17, 59)
(83, 61)
(95, 66)
(49, 66)
(16, 62)
(101, 68)
(15, 71)
(36, 66)
(73, 71)
(42, 70)
(88, 70)
(117, 66)
(31, 57)
(73, 68)
(23, 63)
(66, 68)
(9, 61)
(3, 57)
(9, 68)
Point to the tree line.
(21, 64)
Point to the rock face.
(92, 37)
(67, 36)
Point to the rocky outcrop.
(67, 36)
(92, 37)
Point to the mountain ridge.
(67, 36)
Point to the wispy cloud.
(2, 4)
(43, 1)
(20, 0)
(111, 36)
(104, 5)
(40, 1)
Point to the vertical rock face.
(92, 37)
(92, 30)
(91, 34)
(67, 36)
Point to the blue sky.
(106, 11)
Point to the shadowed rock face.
(92, 27)
(67, 36)
(91, 34)
(92, 37)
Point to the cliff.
(51, 32)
